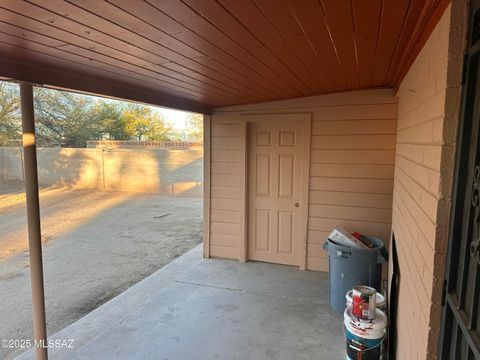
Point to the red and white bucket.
(380, 301)
(364, 302)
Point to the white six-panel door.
(274, 188)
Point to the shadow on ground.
(97, 245)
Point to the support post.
(33, 219)
(207, 121)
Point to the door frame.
(245, 120)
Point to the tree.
(68, 119)
(141, 122)
(65, 119)
(195, 124)
(10, 119)
(108, 114)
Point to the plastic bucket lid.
(371, 329)
(379, 300)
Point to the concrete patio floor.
(197, 308)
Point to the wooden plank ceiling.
(201, 54)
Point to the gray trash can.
(348, 267)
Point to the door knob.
(297, 204)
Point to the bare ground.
(96, 245)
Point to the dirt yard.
(96, 245)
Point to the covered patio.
(196, 308)
(317, 114)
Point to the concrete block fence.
(168, 171)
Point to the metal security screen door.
(460, 337)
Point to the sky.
(177, 118)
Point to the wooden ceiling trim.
(393, 17)
(339, 15)
(158, 65)
(420, 35)
(225, 28)
(286, 24)
(18, 69)
(308, 14)
(366, 19)
(210, 52)
(254, 20)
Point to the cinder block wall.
(178, 172)
(351, 168)
(11, 164)
(428, 105)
